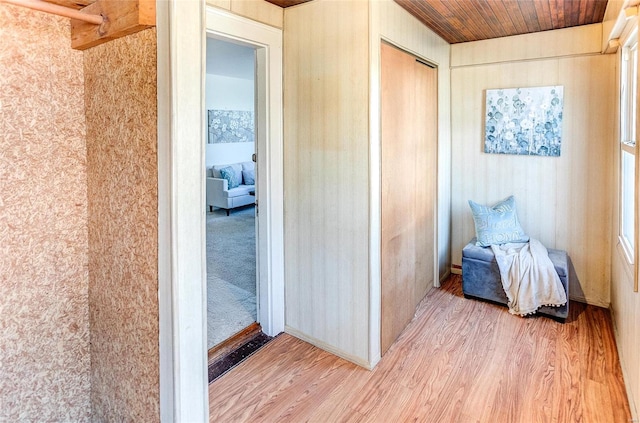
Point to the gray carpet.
(231, 273)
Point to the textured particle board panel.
(121, 111)
(44, 321)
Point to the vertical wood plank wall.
(326, 154)
(564, 202)
(44, 311)
(257, 10)
(409, 138)
(327, 131)
(121, 114)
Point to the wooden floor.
(459, 361)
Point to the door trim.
(181, 242)
(181, 34)
(269, 146)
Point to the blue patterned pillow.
(498, 224)
(231, 176)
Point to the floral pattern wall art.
(524, 121)
(230, 126)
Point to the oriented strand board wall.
(326, 154)
(564, 202)
(121, 110)
(44, 321)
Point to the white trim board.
(181, 195)
(269, 146)
(181, 243)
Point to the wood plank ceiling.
(459, 21)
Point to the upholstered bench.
(481, 277)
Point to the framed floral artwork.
(524, 121)
(230, 126)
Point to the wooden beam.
(74, 4)
(88, 19)
(121, 18)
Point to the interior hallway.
(458, 361)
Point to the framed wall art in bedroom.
(524, 121)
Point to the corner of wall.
(121, 115)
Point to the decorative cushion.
(497, 224)
(249, 177)
(215, 169)
(233, 178)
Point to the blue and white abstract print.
(524, 121)
(226, 126)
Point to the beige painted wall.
(564, 202)
(121, 113)
(44, 318)
(326, 184)
(257, 10)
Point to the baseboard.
(443, 278)
(456, 269)
(583, 300)
(328, 348)
(632, 404)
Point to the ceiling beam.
(121, 18)
(74, 4)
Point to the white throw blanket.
(528, 277)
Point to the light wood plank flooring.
(458, 361)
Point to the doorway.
(409, 131)
(231, 225)
(181, 195)
(267, 42)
